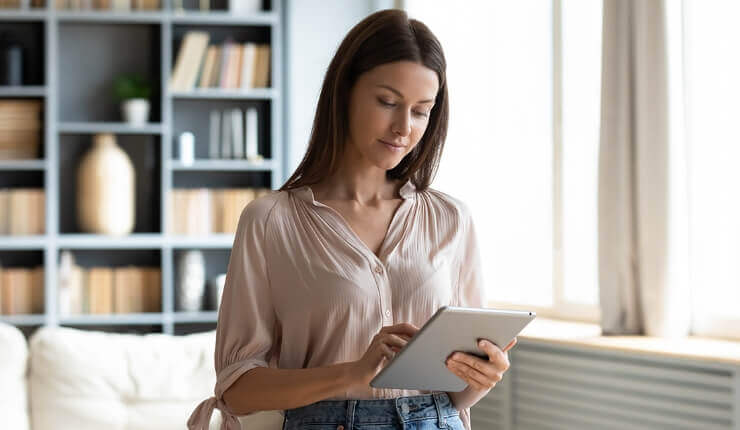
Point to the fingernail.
(481, 343)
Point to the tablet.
(420, 365)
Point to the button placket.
(383, 293)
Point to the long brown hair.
(383, 37)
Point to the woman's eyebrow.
(389, 88)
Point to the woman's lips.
(392, 147)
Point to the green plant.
(130, 86)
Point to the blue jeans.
(425, 412)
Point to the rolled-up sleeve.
(246, 331)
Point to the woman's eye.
(421, 114)
(385, 103)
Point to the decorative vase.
(191, 281)
(136, 111)
(105, 189)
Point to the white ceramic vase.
(136, 111)
(191, 281)
(105, 189)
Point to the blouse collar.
(305, 193)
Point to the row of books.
(20, 129)
(234, 134)
(229, 65)
(116, 5)
(108, 290)
(21, 290)
(22, 4)
(202, 211)
(22, 211)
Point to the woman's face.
(389, 111)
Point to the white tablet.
(420, 365)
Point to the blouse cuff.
(200, 419)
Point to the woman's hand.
(384, 346)
(481, 374)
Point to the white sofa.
(85, 380)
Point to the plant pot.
(136, 111)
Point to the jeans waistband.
(376, 411)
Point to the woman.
(333, 274)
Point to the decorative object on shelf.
(11, 61)
(187, 148)
(243, 7)
(20, 129)
(191, 281)
(133, 91)
(106, 189)
(216, 288)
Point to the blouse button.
(379, 269)
(388, 312)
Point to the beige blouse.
(303, 290)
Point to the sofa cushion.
(13, 365)
(92, 380)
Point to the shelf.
(227, 94)
(96, 241)
(22, 14)
(214, 241)
(22, 91)
(22, 320)
(109, 127)
(96, 16)
(22, 242)
(112, 319)
(222, 165)
(224, 18)
(22, 165)
(196, 317)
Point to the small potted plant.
(132, 91)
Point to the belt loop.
(441, 420)
(351, 413)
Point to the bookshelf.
(71, 59)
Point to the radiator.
(563, 387)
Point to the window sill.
(589, 336)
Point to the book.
(208, 67)
(4, 212)
(216, 73)
(26, 209)
(226, 135)
(249, 51)
(262, 68)
(100, 290)
(237, 133)
(224, 70)
(193, 45)
(251, 135)
(153, 289)
(194, 58)
(214, 145)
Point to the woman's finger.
(471, 376)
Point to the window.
(524, 97)
(712, 90)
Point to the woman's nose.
(402, 124)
